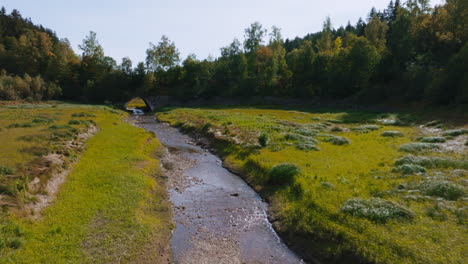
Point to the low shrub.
(36, 150)
(436, 213)
(299, 138)
(263, 139)
(283, 173)
(336, 129)
(444, 189)
(81, 122)
(306, 132)
(4, 170)
(365, 128)
(15, 243)
(327, 185)
(433, 139)
(20, 125)
(455, 132)
(409, 169)
(418, 146)
(74, 122)
(336, 140)
(42, 121)
(83, 114)
(433, 123)
(308, 146)
(392, 134)
(433, 162)
(376, 209)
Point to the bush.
(376, 209)
(365, 128)
(42, 121)
(409, 169)
(433, 162)
(17, 125)
(416, 147)
(283, 173)
(336, 140)
(83, 114)
(263, 139)
(436, 213)
(74, 122)
(4, 170)
(455, 132)
(299, 138)
(444, 189)
(433, 139)
(336, 129)
(392, 134)
(15, 243)
(306, 132)
(81, 122)
(308, 146)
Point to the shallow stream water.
(218, 217)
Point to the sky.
(126, 27)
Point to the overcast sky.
(125, 27)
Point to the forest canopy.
(408, 51)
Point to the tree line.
(408, 51)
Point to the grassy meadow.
(380, 188)
(112, 207)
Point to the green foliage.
(376, 209)
(283, 173)
(433, 139)
(444, 189)
(337, 140)
(392, 134)
(417, 147)
(307, 146)
(83, 114)
(456, 132)
(4, 170)
(263, 139)
(432, 162)
(409, 169)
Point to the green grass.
(384, 225)
(112, 207)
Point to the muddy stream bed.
(218, 217)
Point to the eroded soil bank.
(219, 218)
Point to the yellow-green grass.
(310, 207)
(136, 103)
(112, 207)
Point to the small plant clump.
(308, 146)
(376, 209)
(337, 140)
(444, 189)
(283, 173)
(455, 132)
(83, 114)
(263, 139)
(306, 132)
(409, 169)
(392, 134)
(80, 122)
(433, 162)
(433, 139)
(4, 170)
(418, 146)
(365, 128)
(336, 129)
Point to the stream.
(218, 217)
